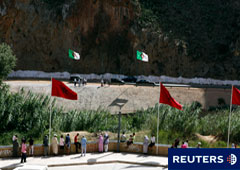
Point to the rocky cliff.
(107, 34)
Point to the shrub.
(7, 60)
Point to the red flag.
(59, 89)
(166, 98)
(235, 96)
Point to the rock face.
(41, 34)
(106, 34)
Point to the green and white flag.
(74, 55)
(142, 56)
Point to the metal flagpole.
(229, 120)
(50, 123)
(119, 129)
(158, 117)
(50, 129)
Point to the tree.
(7, 60)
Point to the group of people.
(234, 146)
(80, 82)
(105, 82)
(23, 148)
(103, 141)
(123, 139)
(65, 143)
(131, 139)
(184, 144)
(62, 144)
(146, 143)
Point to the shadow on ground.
(10, 167)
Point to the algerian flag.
(74, 55)
(142, 56)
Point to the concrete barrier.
(6, 151)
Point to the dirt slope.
(93, 96)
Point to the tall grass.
(216, 124)
(27, 114)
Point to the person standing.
(14, 137)
(100, 143)
(145, 145)
(45, 145)
(176, 143)
(61, 143)
(84, 81)
(23, 151)
(106, 142)
(77, 144)
(186, 143)
(15, 146)
(55, 145)
(84, 145)
(68, 143)
(31, 147)
(183, 146)
(152, 141)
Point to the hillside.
(93, 97)
(182, 38)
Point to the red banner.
(166, 98)
(59, 89)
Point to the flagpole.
(50, 130)
(50, 123)
(229, 120)
(158, 117)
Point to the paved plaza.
(106, 161)
(113, 166)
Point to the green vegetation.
(7, 60)
(209, 28)
(27, 114)
(24, 113)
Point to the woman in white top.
(152, 141)
(145, 145)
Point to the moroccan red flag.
(235, 96)
(166, 98)
(59, 89)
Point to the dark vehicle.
(76, 79)
(145, 83)
(130, 80)
(117, 81)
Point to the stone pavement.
(110, 166)
(90, 158)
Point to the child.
(23, 151)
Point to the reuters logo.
(232, 159)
